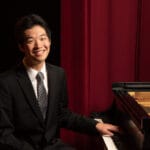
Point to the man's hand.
(107, 129)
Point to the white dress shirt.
(32, 75)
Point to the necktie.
(41, 94)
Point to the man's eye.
(29, 41)
(43, 38)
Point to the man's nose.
(38, 44)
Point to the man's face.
(37, 45)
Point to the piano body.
(131, 111)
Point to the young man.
(28, 122)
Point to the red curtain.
(144, 47)
(98, 47)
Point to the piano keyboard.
(107, 139)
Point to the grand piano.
(131, 111)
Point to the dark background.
(10, 11)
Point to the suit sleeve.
(8, 141)
(73, 120)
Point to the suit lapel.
(51, 87)
(27, 88)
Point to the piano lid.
(131, 86)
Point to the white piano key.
(107, 139)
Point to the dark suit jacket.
(22, 126)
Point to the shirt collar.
(32, 72)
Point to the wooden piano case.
(132, 104)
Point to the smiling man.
(33, 96)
